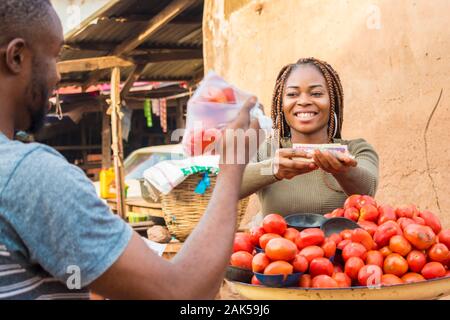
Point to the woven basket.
(183, 208)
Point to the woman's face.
(306, 102)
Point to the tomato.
(241, 259)
(438, 252)
(352, 201)
(352, 214)
(404, 222)
(354, 250)
(385, 232)
(386, 213)
(416, 261)
(342, 280)
(395, 264)
(300, 263)
(346, 234)
(229, 95)
(255, 234)
(320, 266)
(242, 242)
(369, 226)
(305, 281)
(444, 237)
(385, 251)
(255, 281)
(281, 249)
(343, 243)
(265, 238)
(433, 270)
(329, 248)
(312, 252)
(291, 234)
(412, 277)
(390, 279)
(447, 274)
(324, 281)
(421, 237)
(404, 212)
(274, 223)
(352, 267)
(363, 237)
(337, 213)
(336, 238)
(366, 201)
(419, 220)
(310, 237)
(368, 212)
(328, 215)
(279, 267)
(399, 244)
(370, 275)
(260, 262)
(375, 257)
(213, 94)
(431, 220)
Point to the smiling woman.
(307, 108)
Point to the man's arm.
(198, 269)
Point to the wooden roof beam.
(92, 64)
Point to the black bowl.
(301, 221)
(338, 224)
(238, 274)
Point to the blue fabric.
(204, 184)
(51, 216)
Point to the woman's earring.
(335, 124)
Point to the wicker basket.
(183, 208)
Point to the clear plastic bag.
(213, 106)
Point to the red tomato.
(433, 270)
(404, 222)
(385, 232)
(324, 281)
(279, 267)
(242, 242)
(342, 280)
(305, 281)
(438, 252)
(363, 237)
(390, 279)
(346, 234)
(370, 275)
(395, 264)
(354, 250)
(369, 226)
(320, 266)
(352, 201)
(329, 248)
(274, 223)
(310, 237)
(386, 213)
(300, 263)
(291, 234)
(421, 237)
(328, 215)
(431, 220)
(419, 220)
(375, 257)
(241, 259)
(336, 238)
(444, 237)
(265, 238)
(337, 213)
(312, 252)
(404, 212)
(412, 277)
(416, 261)
(385, 251)
(281, 249)
(260, 262)
(399, 244)
(368, 212)
(255, 281)
(366, 201)
(352, 267)
(343, 243)
(229, 95)
(255, 234)
(352, 214)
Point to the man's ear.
(15, 55)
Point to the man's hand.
(286, 166)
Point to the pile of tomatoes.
(393, 246)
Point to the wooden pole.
(116, 126)
(106, 139)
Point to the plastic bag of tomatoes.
(213, 106)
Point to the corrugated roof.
(126, 19)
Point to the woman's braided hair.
(335, 92)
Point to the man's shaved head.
(31, 37)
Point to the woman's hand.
(286, 166)
(334, 164)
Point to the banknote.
(334, 148)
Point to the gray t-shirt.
(56, 235)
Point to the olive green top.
(313, 192)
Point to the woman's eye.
(291, 94)
(316, 94)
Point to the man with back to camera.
(52, 223)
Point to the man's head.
(31, 37)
